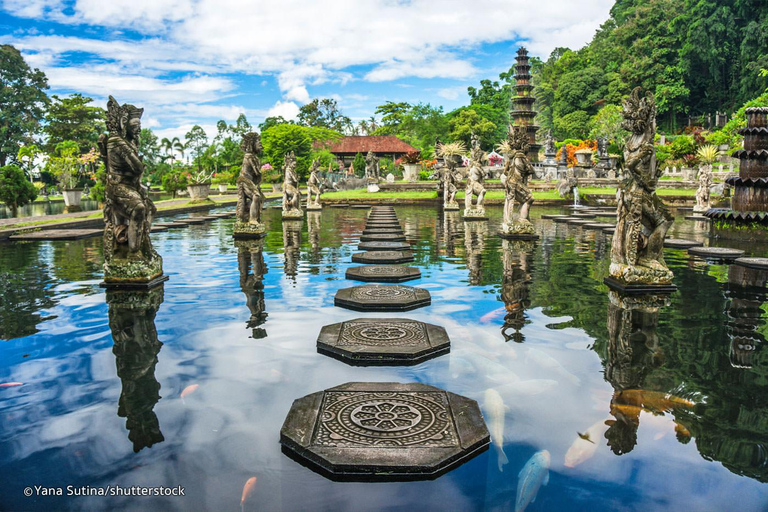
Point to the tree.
(15, 189)
(173, 181)
(465, 121)
(27, 155)
(197, 142)
(607, 123)
(22, 102)
(284, 138)
(73, 119)
(324, 113)
(359, 164)
(572, 126)
(241, 127)
(149, 148)
(392, 116)
(272, 121)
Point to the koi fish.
(11, 384)
(247, 490)
(682, 433)
(584, 447)
(652, 400)
(496, 313)
(189, 390)
(496, 409)
(534, 474)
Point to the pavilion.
(383, 146)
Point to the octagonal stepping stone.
(696, 217)
(548, 216)
(681, 243)
(756, 263)
(383, 257)
(579, 222)
(384, 246)
(383, 341)
(194, 220)
(383, 237)
(598, 225)
(383, 273)
(382, 297)
(606, 214)
(584, 215)
(383, 431)
(339, 205)
(561, 220)
(716, 253)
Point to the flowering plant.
(199, 178)
(266, 167)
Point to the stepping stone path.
(598, 225)
(681, 243)
(57, 234)
(696, 217)
(560, 220)
(579, 222)
(397, 431)
(756, 263)
(548, 216)
(584, 215)
(716, 253)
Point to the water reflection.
(313, 231)
(250, 263)
(132, 322)
(292, 246)
(746, 294)
(515, 286)
(474, 246)
(447, 231)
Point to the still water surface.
(100, 402)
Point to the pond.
(101, 402)
(42, 207)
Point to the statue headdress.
(518, 138)
(639, 111)
(119, 115)
(251, 143)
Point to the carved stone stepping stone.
(166, 224)
(383, 257)
(383, 231)
(606, 214)
(383, 237)
(696, 217)
(180, 222)
(361, 206)
(551, 217)
(756, 263)
(58, 234)
(382, 297)
(383, 273)
(598, 225)
(561, 220)
(383, 341)
(681, 243)
(584, 215)
(384, 246)
(158, 229)
(194, 220)
(716, 253)
(383, 431)
(579, 222)
(609, 231)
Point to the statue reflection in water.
(746, 294)
(474, 245)
(132, 322)
(250, 263)
(313, 232)
(516, 260)
(291, 246)
(447, 228)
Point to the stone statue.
(563, 162)
(135, 345)
(475, 180)
(291, 197)
(550, 150)
(313, 188)
(450, 185)
(474, 246)
(372, 167)
(702, 194)
(637, 251)
(517, 170)
(129, 258)
(250, 262)
(602, 147)
(249, 196)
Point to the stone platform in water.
(716, 253)
(361, 206)
(382, 297)
(579, 222)
(382, 257)
(552, 217)
(383, 431)
(193, 220)
(609, 231)
(374, 231)
(564, 219)
(681, 243)
(598, 225)
(383, 237)
(158, 229)
(57, 234)
(696, 217)
(638, 289)
(518, 236)
(756, 263)
(606, 214)
(584, 215)
(384, 246)
(383, 341)
(383, 273)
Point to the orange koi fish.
(247, 490)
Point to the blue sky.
(197, 61)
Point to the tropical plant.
(199, 178)
(64, 164)
(15, 189)
(174, 181)
(708, 154)
(451, 149)
(411, 157)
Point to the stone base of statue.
(292, 214)
(628, 279)
(518, 230)
(245, 230)
(638, 288)
(476, 213)
(451, 207)
(373, 187)
(314, 207)
(129, 274)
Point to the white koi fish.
(534, 474)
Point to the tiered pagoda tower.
(523, 113)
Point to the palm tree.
(179, 146)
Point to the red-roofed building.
(383, 146)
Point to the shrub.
(683, 145)
(412, 157)
(15, 189)
(98, 189)
(663, 155)
(174, 181)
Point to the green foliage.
(97, 192)
(272, 121)
(224, 178)
(325, 158)
(607, 123)
(15, 189)
(284, 138)
(683, 145)
(73, 119)
(63, 164)
(465, 121)
(359, 164)
(419, 125)
(663, 155)
(22, 102)
(575, 124)
(149, 148)
(324, 113)
(729, 134)
(173, 181)
(197, 142)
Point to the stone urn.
(584, 158)
(72, 196)
(411, 172)
(199, 192)
(222, 188)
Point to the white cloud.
(288, 109)
(452, 93)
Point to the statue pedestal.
(249, 230)
(454, 206)
(134, 285)
(293, 214)
(474, 214)
(373, 187)
(638, 289)
(518, 230)
(314, 207)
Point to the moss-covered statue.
(313, 188)
(450, 184)
(291, 197)
(514, 179)
(475, 180)
(249, 196)
(637, 252)
(129, 258)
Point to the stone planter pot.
(584, 158)
(199, 192)
(222, 188)
(410, 172)
(72, 196)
